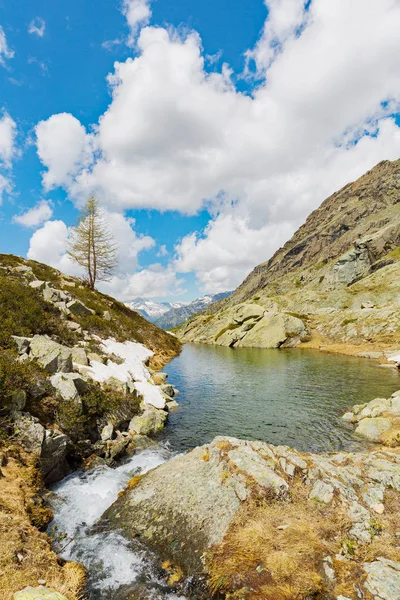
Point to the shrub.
(15, 375)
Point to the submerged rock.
(377, 421)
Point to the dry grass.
(25, 552)
(275, 550)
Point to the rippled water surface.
(293, 397)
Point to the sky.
(208, 131)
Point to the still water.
(291, 397)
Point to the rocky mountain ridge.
(151, 310)
(176, 316)
(339, 274)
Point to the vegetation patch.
(229, 327)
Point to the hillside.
(78, 388)
(336, 281)
(176, 316)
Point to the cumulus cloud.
(5, 52)
(176, 137)
(152, 282)
(137, 13)
(49, 245)
(8, 132)
(37, 27)
(64, 148)
(36, 215)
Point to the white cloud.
(152, 282)
(64, 147)
(5, 186)
(37, 27)
(8, 132)
(177, 138)
(5, 52)
(36, 215)
(49, 245)
(137, 13)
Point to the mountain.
(151, 310)
(336, 281)
(176, 316)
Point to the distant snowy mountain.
(176, 316)
(152, 310)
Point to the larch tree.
(92, 244)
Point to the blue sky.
(223, 125)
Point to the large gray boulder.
(51, 356)
(244, 312)
(69, 385)
(149, 422)
(372, 428)
(76, 307)
(22, 343)
(185, 506)
(274, 330)
(383, 579)
(53, 455)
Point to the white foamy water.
(79, 502)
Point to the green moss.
(24, 312)
(395, 254)
(348, 321)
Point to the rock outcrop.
(188, 508)
(377, 421)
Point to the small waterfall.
(115, 565)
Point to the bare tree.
(92, 244)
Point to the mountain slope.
(345, 256)
(151, 310)
(178, 315)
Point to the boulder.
(69, 385)
(73, 326)
(243, 312)
(15, 402)
(38, 285)
(106, 315)
(322, 492)
(51, 356)
(372, 428)
(107, 432)
(273, 330)
(79, 356)
(76, 307)
(149, 422)
(53, 456)
(38, 593)
(168, 389)
(355, 263)
(52, 295)
(383, 579)
(30, 433)
(116, 448)
(22, 343)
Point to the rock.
(367, 305)
(351, 265)
(116, 449)
(52, 295)
(172, 405)
(96, 357)
(246, 459)
(383, 579)
(69, 385)
(139, 442)
(76, 307)
(372, 428)
(53, 455)
(160, 378)
(16, 401)
(79, 356)
(51, 356)
(243, 312)
(30, 433)
(149, 422)
(106, 315)
(38, 593)
(22, 343)
(168, 389)
(273, 330)
(37, 285)
(322, 492)
(22, 269)
(107, 432)
(93, 461)
(73, 326)
(349, 417)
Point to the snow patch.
(132, 369)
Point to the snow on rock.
(134, 356)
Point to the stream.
(290, 397)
